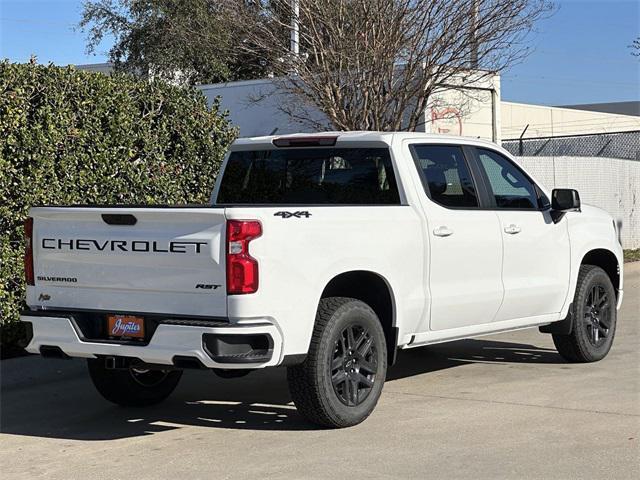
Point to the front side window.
(509, 186)
(347, 176)
(446, 175)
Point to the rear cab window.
(445, 175)
(316, 176)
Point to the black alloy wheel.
(354, 365)
(340, 381)
(594, 313)
(597, 315)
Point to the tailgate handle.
(119, 219)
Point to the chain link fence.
(623, 145)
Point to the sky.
(581, 53)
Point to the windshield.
(347, 176)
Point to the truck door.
(465, 244)
(536, 260)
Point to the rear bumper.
(169, 345)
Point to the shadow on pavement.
(446, 355)
(71, 409)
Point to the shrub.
(74, 137)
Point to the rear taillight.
(28, 251)
(242, 268)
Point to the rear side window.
(345, 176)
(446, 175)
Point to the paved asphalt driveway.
(505, 406)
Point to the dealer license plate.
(125, 326)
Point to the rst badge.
(207, 286)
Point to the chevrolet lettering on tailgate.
(122, 245)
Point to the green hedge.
(68, 137)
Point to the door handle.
(512, 229)
(442, 231)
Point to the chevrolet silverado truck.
(326, 254)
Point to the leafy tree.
(178, 40)
(74, 137)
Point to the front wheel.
(594, 318)
(132, 387)
(340, 381)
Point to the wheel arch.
(374, 290)
(607, 260)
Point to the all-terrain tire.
(347, 345)
(132, 388)
(579, 346)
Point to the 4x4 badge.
(300, 214)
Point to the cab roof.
(362, 136)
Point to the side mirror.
(564, 200)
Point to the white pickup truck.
(325, 254)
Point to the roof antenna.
(273, 132)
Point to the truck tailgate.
(164, 260)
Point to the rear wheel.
(594, 318)
(340, 381)
(132, 387)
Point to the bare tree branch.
(374, 64)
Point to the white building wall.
(546, 121)
(256, 108)
(608, 183)
(471, 112)
(453, 113)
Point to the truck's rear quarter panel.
(298, 257)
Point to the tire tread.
(116, 387)
(570, 347)
(305, 385)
